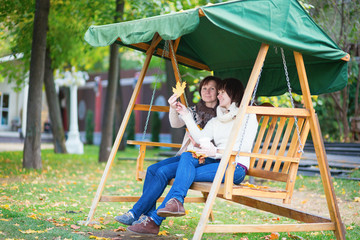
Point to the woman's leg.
(156, 180)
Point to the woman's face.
(208, 92)
(224, 99)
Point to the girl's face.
(208, 92)
(224, 99)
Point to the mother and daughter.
(215, 115)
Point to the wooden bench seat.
(275, 155)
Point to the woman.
(159, 174)
(190, 169)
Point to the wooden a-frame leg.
(211, 217)
(232, 138)
(320, 150)
(122, 128)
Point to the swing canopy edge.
(225, 38)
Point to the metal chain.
(178, 71)
(166, 49)
(247, 117)
(301, 147)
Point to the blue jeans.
(157, 177)
(188, 171)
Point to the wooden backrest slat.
(275, 142)
(284, 143)
(275, 176)
(294, 144)
(259, 138)
(267, 140)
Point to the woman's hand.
(181, 109)
(173, 101)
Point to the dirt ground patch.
(316, 204)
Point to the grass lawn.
(48, 203)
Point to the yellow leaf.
(120, 229)
(304, 201)
(274, 235)
(96, 226)
(357, 199)
(350, 228)
(29, 231)
(163, 233)
(179, 88)
(5, 206)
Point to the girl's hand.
(193, 142)
(173, 101)
(208, 150)
(181, 109)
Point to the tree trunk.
(344, 117)
(177, 134)
(119, 110)
(108, 117)
(32, 153)
(54, 107)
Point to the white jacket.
(219, 129)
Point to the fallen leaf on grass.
(29, 231)
(171, 222)
(98, 238)
(120, 229)
(163, 233)
(350, 228)
(96, 226)
(74, 227)
(357, 199)
(295, 237)
(5, 220)
(274, 235)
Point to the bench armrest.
(142, 152)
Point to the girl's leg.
(207, 173)
(185, 174)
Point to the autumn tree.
(340, 19)
(111, 90)
(32, 153)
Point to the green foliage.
(155, 127)
(89, 127)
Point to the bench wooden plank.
(244, 228)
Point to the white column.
(73, 143)
(24, 111)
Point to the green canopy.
(227, 40)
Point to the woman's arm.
(174, 118)
(193, 129)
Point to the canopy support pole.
(174, 46)
(233, 136)
(320, 149)
(122, 128)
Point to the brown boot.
(146, 227)
(173, 208)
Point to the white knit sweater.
(219, 129)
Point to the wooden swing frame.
(311, 222)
